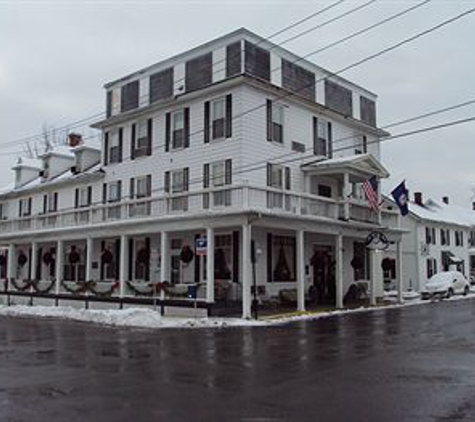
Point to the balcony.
(217, 200)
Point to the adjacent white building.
(235, 146)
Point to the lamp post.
(255, 253)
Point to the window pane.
(178, 120)
(218, 174)
(177, 181)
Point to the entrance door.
(323, 291)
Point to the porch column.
(59, 264)
(34, 260)
(376, 276)
(89, 247)
(210, 265)
(11, 270)
(339, 271)
(124, 246)
(346, 196)
(300, 271)
(246, 271)
(399, 271)
(164, 258)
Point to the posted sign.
(201, 246)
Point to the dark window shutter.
(106, 148)
(365, 144)
(29, 205)
(186, 117)
(229, 115)
(206, 176)
(109, 104)
(119, 189)
(132, 188)
(20, 208)
(149, 185)
(269, 119)
(186, 179)
(228, 172)
(168, 127)
(149, 136)
(89, 195)
(269, 174)
(56, 201)
(104, 193)
(207, 122)
(330, 141)
(121, 143)
(132, 141)
(236, 256)
(76, 198)
(269, 257)
(315, 135)
(45, 204)
(167, 182)
(288, 183)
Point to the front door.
(323, 291)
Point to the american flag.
(370, 189)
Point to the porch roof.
(365, 165)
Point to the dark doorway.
(323, 263)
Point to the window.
(140, 187)
(338, 98)
(178, 130)
(368, 111)
(471, 240)
(114, 193)
(218, 118)
(361, 144)
(281, 265)
(161, 85)
(4, 211)
(218, 108)
(83, 197)
(177, 182)
(299, 80)
(322, 142)
(50, 202)
(233, 59)
(217, 175)
(25, 207)
(223, 256)
(143, 187)
(113, 146)
(431, 267)
(276, 180)
(298, 147)
(278, 177)
(458, 238)
(256, 61)
(129, 96)
(141, 142)
(199, 72)
(445, 237)
(430, 235)
(275, 122)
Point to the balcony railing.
(228, 198)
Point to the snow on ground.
(148, 318)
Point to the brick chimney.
(445, 200)
(74, 140)
(418, 198)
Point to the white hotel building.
(232, 141)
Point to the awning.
(449, 258)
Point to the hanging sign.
(201, 246)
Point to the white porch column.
(34, 260)
(59, 264)
(376, 276)
(300, 271)
(164, 258)
(399, 271)
(11, 269)
(89, 248)
(124, 246)
(246, 271)
(346, 196)
(210, 265)
(339, 271)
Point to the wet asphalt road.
(411, 364)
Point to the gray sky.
(55, 57)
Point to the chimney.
(445, 200)
(418, 198)
(74, 140)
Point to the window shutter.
(315, 135)
(109, 104)
(149, 185)
(119, 189)
(229, 115)
(89, 195)
(149, 136)
(76, 198)
(132, 188)
(186, 117)
(207, 124)
(228, 172)
(106, 148)
(132, 141)
(20, 208)
(167, 131)
(365, 144)
(29, 205)
(45, 204)
(206, 176)
(186, 179)
(330, 141)
(121, 143)
(269, 119)
(287, 178)
(167, 182)
(56, 201)
(104, 193)
(269, 174)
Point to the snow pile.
(133, 317)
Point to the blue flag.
(400, 195)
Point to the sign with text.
(201, 246)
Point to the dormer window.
(24, 207)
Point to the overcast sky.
(55, 57)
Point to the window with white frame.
(322, 138)
(4, 211)
(278, 177)
(143, 187)
(361, 144)
(218, 118)
(223, 256)
(458, 238)
(25, 207)
(50, 203)
(218, 173)
(142, 142)
(445, 237)
(278, 123)
(114, 191)
(114, 146)
(84, 196)
(431, 267)
(178, 181)
(178, 129)
(430, 235)
(178, 184)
